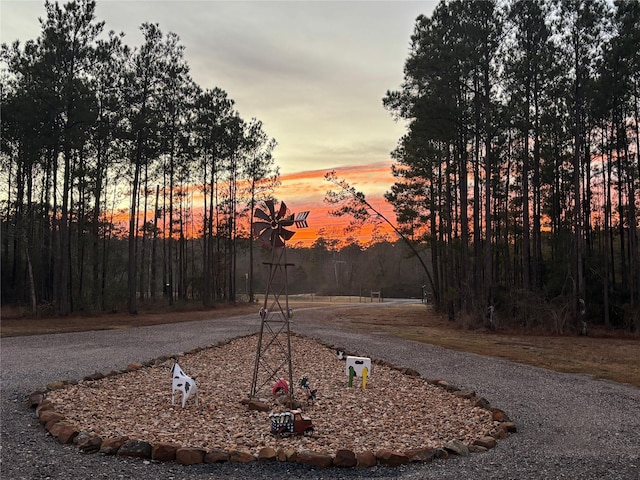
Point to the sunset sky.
(305, 191)
(314, 72)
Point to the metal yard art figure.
(273, 354)
(181, 382)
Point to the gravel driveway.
(569, 426)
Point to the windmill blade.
(283, 211)
(286, 234)
(272, 210)
(259, 227)
(265, 237)
(278, 241)
(273, 238)
(261, 215)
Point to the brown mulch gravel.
(396, 411)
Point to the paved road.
(570, 426)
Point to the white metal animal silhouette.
(183, 383)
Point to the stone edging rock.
(66, 433)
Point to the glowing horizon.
(305, 191)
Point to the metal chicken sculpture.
(273, 355)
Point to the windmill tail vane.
(301, 220)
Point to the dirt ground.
(14, 324)
(606, 355)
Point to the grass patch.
(609, 357)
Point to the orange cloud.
(305, 191)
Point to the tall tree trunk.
(577, 194)
(464, 224)
(537, 198)
(181, 249)
(154, 247)
(508, 271)
(634, 267)
(213, 231)
(448, 265)
(526, 228)
(477, 215)
(620, 188)
(435, 190)
(488, 169)
(477, 200)
(49, 254)
(170, 240)
(609, 183)
(143, 248)
(131, 273)
(95, 228)
(63, 280)
(32, 287)
(206, 239)
(632, 196)
(586, 215)
(605, 253)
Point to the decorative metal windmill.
(273, 355)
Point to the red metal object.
(281, 386)
(291, 422)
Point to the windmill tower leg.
(273, 354)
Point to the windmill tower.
(273, 355)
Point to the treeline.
(90, 124)
(520, 166)
(517, 180)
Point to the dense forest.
(520, 166)
(517, 180)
